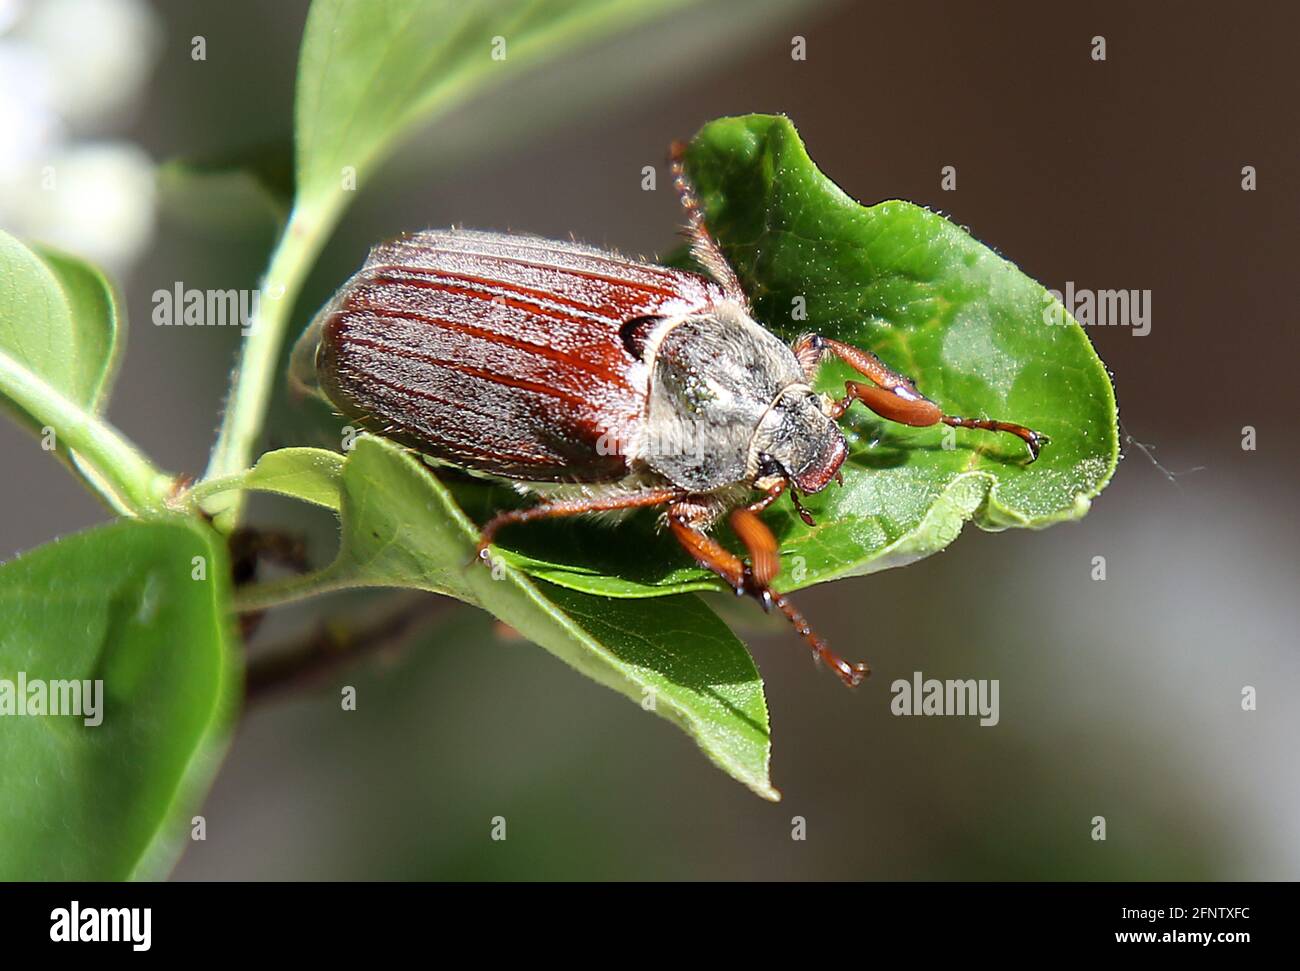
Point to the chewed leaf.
(979, 337)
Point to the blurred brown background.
(1118, 698)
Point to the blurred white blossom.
(71, 70)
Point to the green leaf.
(309, 474)
(934, 303)
(401, 528)
(61, 321)
(118, 605)
(60, 341)
(371, 69)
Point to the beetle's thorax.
(723, 394)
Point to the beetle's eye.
(768, 466)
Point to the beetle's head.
(798, 442)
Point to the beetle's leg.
(761, 545)
(572, 507)
(683, 520)
(893, 396)
(704, 247)
(770, 496)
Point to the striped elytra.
(508, 355)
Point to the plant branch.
(332, 645)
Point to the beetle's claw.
(856, 674)
(1036, 441)
(748, 588)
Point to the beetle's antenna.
(804, 514)
(704, 248)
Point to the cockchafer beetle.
(565, 369)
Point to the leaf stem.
(304, 236)
(108, 461)
(205, 491)
(276, 593)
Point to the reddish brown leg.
(769, 497)
(704, 247)
(572, 507)
(764, 559)
(754, 580)
(894, 397)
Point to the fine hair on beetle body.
(603, 384)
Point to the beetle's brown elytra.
(605, 383)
